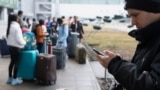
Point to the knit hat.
(145, 5)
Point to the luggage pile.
(40, 67)
(28, 57)
(76, 50)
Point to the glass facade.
(90, 1)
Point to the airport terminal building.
(42, 9)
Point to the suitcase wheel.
(52, 82)
(39, 82)
(46, 83)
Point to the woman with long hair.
(15, 42)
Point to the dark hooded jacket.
(143, 73)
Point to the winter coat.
(62, 35)
(143, 73)
(15, 37)
(79, 28)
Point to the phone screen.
(98, 52)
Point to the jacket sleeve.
(82, 28)
(19, 37)
(127, 74)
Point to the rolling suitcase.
(46, 69)
(27, 65)
(81, 54)
(4, 48)
(60, 53)
(71, 47)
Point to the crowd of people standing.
(20, 24)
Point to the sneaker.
(16, 81)
(20, 81)
(9, 80)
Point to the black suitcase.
(4, 48)
(46, 69)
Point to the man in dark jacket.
(143, 72)
(76, 26)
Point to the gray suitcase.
(60, 53)
(71, 47)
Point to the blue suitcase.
(27, 65)
(4, 48)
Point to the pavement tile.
(74, 77)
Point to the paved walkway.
(99, 70)
(74, 77)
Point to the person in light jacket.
(62, 33)
(15, 42)
(62, 30)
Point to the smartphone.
(98, 52)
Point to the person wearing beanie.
(143, 72)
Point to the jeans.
(40, 47)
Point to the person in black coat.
(143, 72)
(76, 26)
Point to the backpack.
(29, 37)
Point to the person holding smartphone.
(143, 72)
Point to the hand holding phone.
(98, 52)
